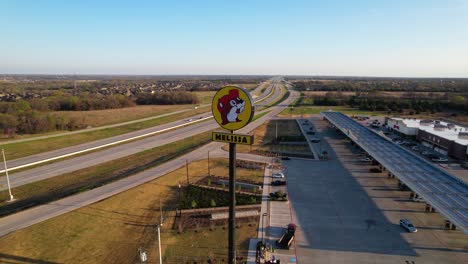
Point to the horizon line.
(250, 75)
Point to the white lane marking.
(105, 145)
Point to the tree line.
(19, 117)
(167, 98)
(401, 85)
(456, 103)
(35, 115)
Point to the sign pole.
(232, 200)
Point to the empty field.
(111, 231)
(274, 136)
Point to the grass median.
(23, 149)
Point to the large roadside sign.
(232, 107)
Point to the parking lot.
(346, 214)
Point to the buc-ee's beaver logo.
(232, 107)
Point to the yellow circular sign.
(232, 107)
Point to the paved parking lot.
(345, 214)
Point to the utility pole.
(209, 173)
(160, 212)
(276, 130)
(159, 243)
(180, 206)
(8, 178)
(186, 166)
(159, 230)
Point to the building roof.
(450, 133)
(444, 191)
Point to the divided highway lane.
(90, 146)
(108, 154)
(41, 213)
(105, 155)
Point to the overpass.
(440, 189)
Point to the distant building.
(445, 138)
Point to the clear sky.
(408, 38)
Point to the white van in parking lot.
(406, 224)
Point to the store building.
(445, 138)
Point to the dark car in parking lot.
(278, 183)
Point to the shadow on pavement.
(335, 213)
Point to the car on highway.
(406, 224)
(366, 159)
(314, 140)
(279, 175)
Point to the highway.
(41, 213)
(112, 153)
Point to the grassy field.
(220, 167)
(22, 149)
(205, 97)
(111, 231)
(313, 110)
(98, 118)
(265, 134)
